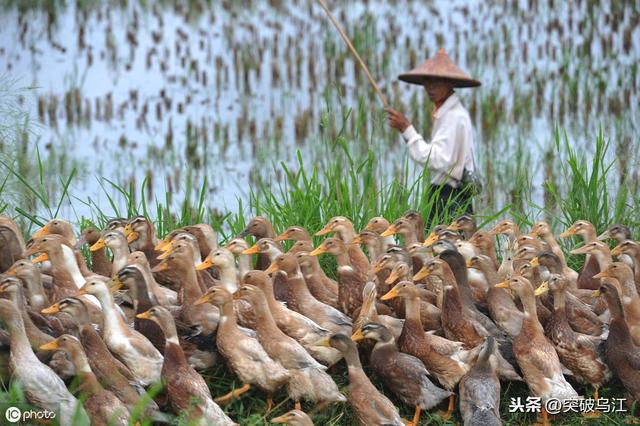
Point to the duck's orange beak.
(454, 226)
(357, 336)
(603, 274)
(161, 246)
(324, 231)
(41, 232)
(43, 257)
(542, 289)
(503, 284)
(469, 264)
(144, 315)
(534, 262)
(432, 238)
(617, 251)
(202, 300)
(393, 277)
(391, 294)
(252, 250)
(98, 245)
(272, 268)
(391, 230)
(569, 232)
(421, 274)
(318, 251)
(53, 309)
(51, 346)
(357, 240)
(282, 237)
(162, 266)
(12, 272)
(204, 265)
(115, 284)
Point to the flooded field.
(177, 91)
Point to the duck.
(244, 355)
(542, 230)
(237, 246)
(628, 251)
(617, 231)
(313, 276)
(620, 351)
(65, 272)
(133, 279)
(141, 236)
(485, 246)
(165, 296)
(587, 231)
(100, 263)
(294, 233)
(371, 241)
(102, 406)
(117, 243)
(134, 350)
(435, 234)
(260, 227)
(267, 250)
(116, 224)
(350, 281)
(31, 278)
(295, 325)
(406, 228)
(629, 298)
(480, 390)
(294, 418)
(111, 372)
(578, 352)
(12, 244)
(508, 228)
(465, 325)
(41, 385)
(345, 231)
(534, 353)
(578, 314)
(187, 249)
(11, 289)
(370, 406)
(378, 225)
(57, 227)
(368, 312)
(465, 223)
(204, 316)
(206, 237)
(182, 383)
(501, 307)
(300, 298)
(404, 374)
(309, 380)
(447, 361)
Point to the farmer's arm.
(440, 152)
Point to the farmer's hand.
(397, 120)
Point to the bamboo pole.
(344, 36)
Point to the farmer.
(449, 154)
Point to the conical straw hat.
(439, 66)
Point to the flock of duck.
(430, 316)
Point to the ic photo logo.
(25, 414)
(13, 414)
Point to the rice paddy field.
(217, 111)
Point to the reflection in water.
(224, 90)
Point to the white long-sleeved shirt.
(451, 149)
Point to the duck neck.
(244, 264)
(372, 249)
(342, 258)
(68, 259)
(112, 319)
(20, 345)
(387, 242)
(490, 274)
(89, 384)
(265, 323)
(409, 237)
(190, 288)
(298, 286)
(530, 312)
(353, 361)
(170, 333)
(228, 277)
(227, 317)
(120, 255)
(35, 291)
(346, 234)
(412, 310)
(559, 298)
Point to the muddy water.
(140, 92)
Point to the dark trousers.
(450, 203)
